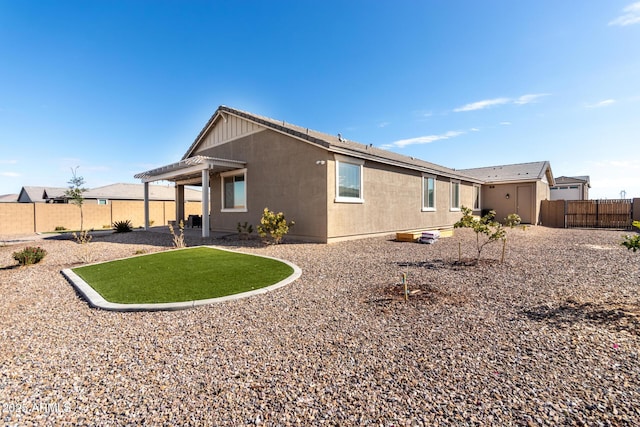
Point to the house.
(8, 198)
(571, 188)
(102, 195)
(516, 188)
(333, 188)
(40, 194)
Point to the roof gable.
(533, 171)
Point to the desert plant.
(29, 255)
(244, 230)
(487, 226)
(632, 242)
(273, 226)
(178, 239)
(122, 226)
(75, 191)
(83, 238)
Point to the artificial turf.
(182, 275)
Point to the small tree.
(487, 226)
(632, 243)
(75, 191)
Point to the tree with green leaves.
(487, 226)
(75, 192)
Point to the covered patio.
(195, 171)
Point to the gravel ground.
(549, 337)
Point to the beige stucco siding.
(494, 197)
(282, 175)
(392, 202)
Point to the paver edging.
(97, 301)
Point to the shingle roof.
(120, 191)
(512, 173)
(584, 179)
(36, 194)
(334, 143)
(125, 191)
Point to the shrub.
(178, 239)
(60, 228)
(273, 226)
(632, 242)
(29, 255)
(244, 230)
(122, 226)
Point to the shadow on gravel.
(437, 264)
(618, 317)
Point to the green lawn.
(182, 275)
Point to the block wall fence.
(26, 218)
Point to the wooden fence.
(617, 214)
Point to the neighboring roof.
(31, 194)
(513, 173)
(8, 198)
(583, 179)
(124, 191)
(333, 143)
(120, 191)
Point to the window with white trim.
(349, 180)
(103, 202)
(428, 193)
(234, 191)
(476, 197)
(455, 195)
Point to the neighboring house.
(40, 194)
(571, 188)
(9, 198)
(517, 188)
(102, 195)
(334, 189)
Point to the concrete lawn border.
(97, 301)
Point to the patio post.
(146, 206)
(205, 203)
(179, 203)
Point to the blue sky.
(120, 87)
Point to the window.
(349, 180)
(476, 197)
(234, 191)
(455, 195)
(102, 201)
(428, 193)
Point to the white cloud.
(383, 124)
(630, 16)
(481, 105)
(474, 130)
(10, 174)
(423, 139)
(604, 103)
(529, 98)
(487, 103)
(505, 123)
(8, 162)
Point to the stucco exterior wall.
(282, 175)
(392, 203)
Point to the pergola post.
(146, 206)
(179, 203)
(205, 203)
